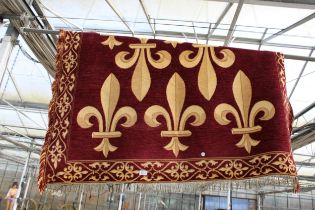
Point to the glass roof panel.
(249, 32)
(304, 93)
(191, 10)
(32, 125)
(9, 117)
(8, 90)
(303, 34)
(82, 13)
(31, 80)
(264, 16)
(244, 46)
(287, 50)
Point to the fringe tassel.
(42, 179)
(42, 182)
(182, 187)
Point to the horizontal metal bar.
(27, 148)
(304, 138)
(302, 4)
(21, 112)
(305, 155)
(25, 106)
(300, 22)
(175, 34)
(309, 125)
(200, 37)
(24, 127)
(10, 158)
(41, 31)
(306, 164)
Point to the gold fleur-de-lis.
(242, 91)
(175, 93)
(109, 95)
(141, 79)
(111, 42)
(207, 79)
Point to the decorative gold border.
(177, 170)
(54, 166)
(53, 152)
(282, 78)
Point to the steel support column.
(225, 11)
(121, 197)
(81, 198)
(115, 10)
(139, 202)
(22, 181)
(232, 26)
(229, 197)
(144, 9)
(200, 202)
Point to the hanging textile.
(149, 111)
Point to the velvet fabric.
(217, 142)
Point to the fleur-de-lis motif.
(242, 91)
(111, 42)
(109, 95)
(207, 78)
(141, 79)
(175, 93)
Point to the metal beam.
(300, 22)
(306, 109)
(303, 189)
(306, 164)
(13, 133)
(232, 26)
(21, 112)
(301, 73)
(38, 144)
(15, 85)
(11, 147)
(303, 140)
(302, 4)
(200, 37)
(225, 11)
(17, 132)
(196, 36)
(147, 16)
(6, 47)
(23, 146)
(26, 106)
(22, 139)
(304, 155)
(10, 158)
(110, 4)
(263, 36)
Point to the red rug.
(135, 110)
